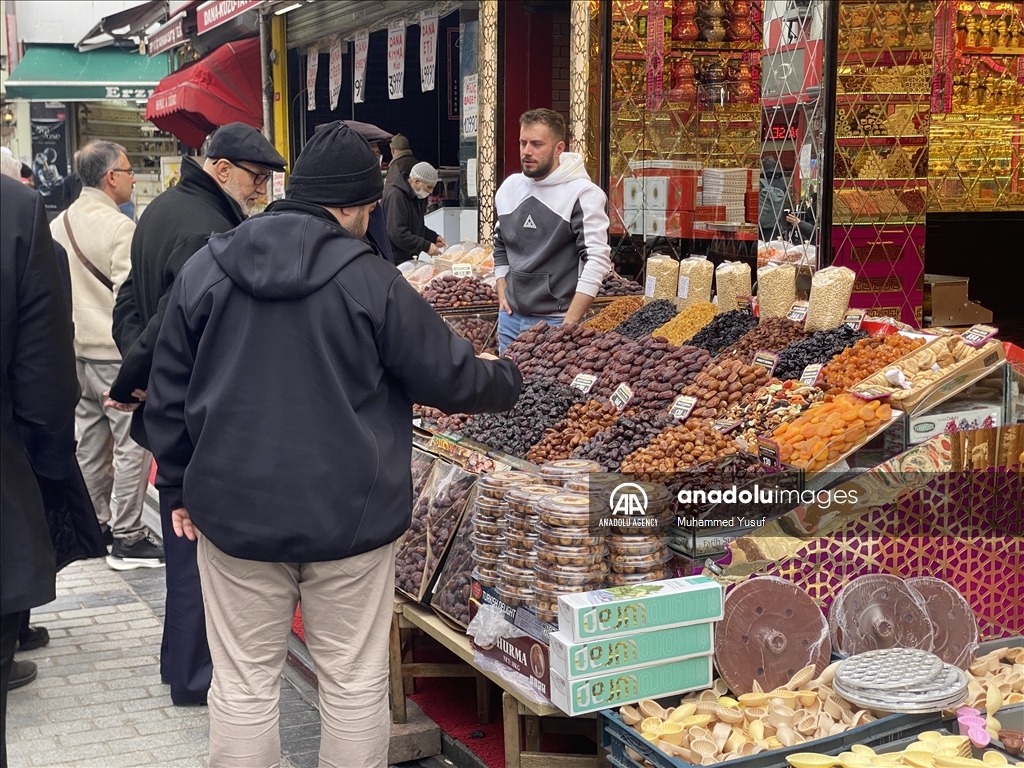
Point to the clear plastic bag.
(831, 289)
(776, 289)
(732, 279)
(693, 285)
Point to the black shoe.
(22, 673)
(36, 637)
(144, 553)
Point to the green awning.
(61, 73)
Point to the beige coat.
(104, 235)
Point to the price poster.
(428, 49)
(745, 304)
(359, 77)
(811, 374)
(396, 60)
(334, 72)
(312, 64)
(584, 382)
(462, 270)
(768, 452)
(470, 106)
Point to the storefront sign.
(312, 64)
(396, 60)
(428, 49)
(334, 73)
(170, 35)
(469, 106)
(216, 12)
(359, 79)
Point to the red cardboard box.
(710, 213)
(682, 192)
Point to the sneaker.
(36, 637)
(22, 673)
(145, 553)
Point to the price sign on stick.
(767, 360)
(798, 312)
(853, 319)
(621, 396)
(462, 270)
(768, 452)
(683, 407)
(584, 382)
(811, 374)
(977, 335)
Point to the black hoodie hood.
(287, 252)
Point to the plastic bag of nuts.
(776, 289)
(732, 279)
(694, 283)
(831, 289)
(662, 277)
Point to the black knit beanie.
(336, 168)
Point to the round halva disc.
(889, 669)
(771, 630)
(954, 624)
(879, 611)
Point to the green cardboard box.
(597, 657)
(626, 610)
(577, 697)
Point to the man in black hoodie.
(210, 198)
(280, 412)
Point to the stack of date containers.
(517, 571)
(490, 512)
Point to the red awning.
(221, 88)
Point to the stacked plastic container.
(490, 513)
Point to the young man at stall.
(280, 413)
(551, 240)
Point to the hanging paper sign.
(682, 407)
(359, 79)
(334, 73)
(396, 60)
(798, 312)
(853, 319)
(621, 396)
(312, 64)
(428, 49)
(469, 106)
(977, 335)
(767, 360)
(811, 374)
(584, 382)
(277, 185)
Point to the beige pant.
(346, 613)
(115, 467)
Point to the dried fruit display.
(681, 328)
(454, 582)
(771, 406)
(771, 334)
(826, 432)
(647, 319)
(583, 422)
(450, 292)
(816, 349)
(633, 430)
(694, 442)
(723, 383)
(609, 317)
(479, 330)
(865, 358)
(726, 329)
(662, 379)
(617, 285)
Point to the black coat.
(399, 167)
(280, 404)
(173, 227)
(404, 213)
(38, 387)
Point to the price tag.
(811, 374)
(854, 318)
(767, 360)
(725, 426)
(871, 393)
(798, 312)
(745, 304)
(649, 287)
(977, 335)
(768, 452)
(584, 382)
(682, 407)
(621, 396)
(683, 291)
(462, 270)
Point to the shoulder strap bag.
(93, 270)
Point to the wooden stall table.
(522, 744)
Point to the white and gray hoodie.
(551, 239)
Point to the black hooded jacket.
(404, 213)
(280, 402)
(173, 227)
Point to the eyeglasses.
(129, 171)
(257, 178)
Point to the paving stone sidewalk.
(98, 701)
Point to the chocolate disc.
(954, 624)
(771, 630)
(879, 611)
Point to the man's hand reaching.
(183, 524)
(138, 394)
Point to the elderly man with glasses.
(209, 199)
(98, 238)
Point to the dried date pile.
(454, 583)
(725, 330)
(677, 448)
(633, 429)
(541, 405)
(478, 331)
(561, 355)
(647, 319)
(523, 348)
(615, 284)
(771, 335)
(818, 348)
(723, 383)
(583, 422)
(661, 380)
(450, 292)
